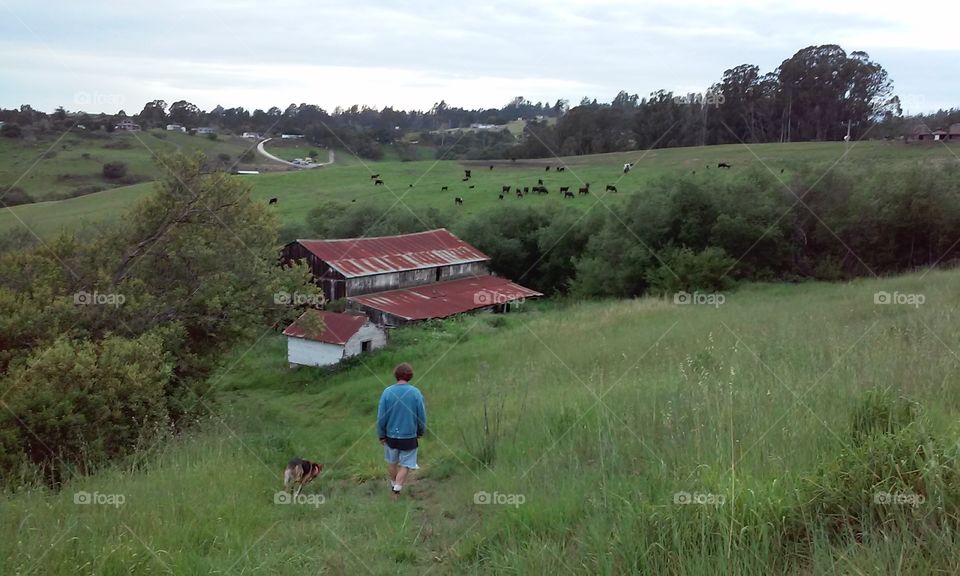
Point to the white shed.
(320, 338)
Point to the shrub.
(211, 136)
(85, 155)
(15, 196)
(247, 157)
(114, 170)
(223, 157)
(11, 131)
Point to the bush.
(15, 196)
(114, 170)
(11, 131)
(223, 157)
(85, 155)
(247, 157)
(211, 136)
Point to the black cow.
(546, 168)
(561, 168)
(519, 193)
(722, 165)
(540, 181)
(584, 189)
(272, 201)
(501, 196)
(505, 189)
(409, 185)
(564, 189)
(491, 166)
(781, 170)
(444, 188)
(374, 176)
(472, 186)
(541, 190)
(568, 194)
(611, 188)
(526, 189)
(458, 201)
(378, 182)
(466, 173)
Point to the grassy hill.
(591, 420)
(349, 179)
(54, 167)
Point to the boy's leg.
(393, 473)
(401, 476)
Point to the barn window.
(366, 345)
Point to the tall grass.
(783, 414)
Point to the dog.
(299, 473)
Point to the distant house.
(319, 338)
(290, 136)
(251, 135)
(206, 130)
(953, 133)
(127, 125)
(176, 128)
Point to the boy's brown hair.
(403, 372)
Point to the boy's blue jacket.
(401, 413)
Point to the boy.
(401, 420)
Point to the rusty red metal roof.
(368, 256)
(328, 327)
(445, 298)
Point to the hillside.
(348, 180)
(591, 421)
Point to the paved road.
(330, 160)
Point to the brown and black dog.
(300, 472)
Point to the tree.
(154, 114)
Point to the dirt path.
(330, 159)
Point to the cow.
(466, 173)
(611, 188)
(546, 168)
(781, 170)
(491, 166)
(458, 201)
(627, 167)
(722, 165)
(374, 176)
(540, 181)
(409, 185)
(526, 189)
(472, 186)
(501, 196)
(519, 193)
(561, 168)
(564, 189)
(541, 190)
(444, 188)
(505, 189)
(584, 189)
(568, 194)
(378, 182)
(272, 201)
(464, 179)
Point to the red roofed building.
(319, 338)
(405, 278)
(364, 265)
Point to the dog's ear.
(317, 468)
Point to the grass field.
(349, 180)
(51, 167)
(584, 421)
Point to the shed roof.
(328, 327)
(369, 256)
(445, 298)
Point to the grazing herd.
(539, 189)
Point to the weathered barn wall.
(312, 353)
(368, 332)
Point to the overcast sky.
(106, 56)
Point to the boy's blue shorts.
(405, 458)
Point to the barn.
(406, 278)
(319, 338)
(352, 267)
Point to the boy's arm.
(382, 416)
(421, 417)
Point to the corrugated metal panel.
(337, 328)
(445, 298)
(367, 256)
